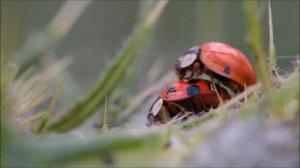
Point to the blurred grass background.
(104, 26)
(90, 36)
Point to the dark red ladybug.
(216, 61)
(195, 96)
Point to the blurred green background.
(103, 27)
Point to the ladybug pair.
(207, 74)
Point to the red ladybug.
(195, 96)
(216, 61)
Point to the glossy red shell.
(179, 93)
(229, 62)
(178, 90)
(194, 96)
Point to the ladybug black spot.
(227, 70)
(193, 91)
(171, 89)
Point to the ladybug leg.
(204, 104)
(196, 68)
(200, 104)
(201, 113)
(179, 73)
(235, 87)
(184, 110)
(165, 114)
(188, 74)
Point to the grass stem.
(104, 126)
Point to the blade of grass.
(221, 109)
(262, 69)
(272, 51)
(137, 101)
(66, 149)
(256, 43)
(50, 109)
(104, 126)
(125, 108)
(101, 146)
(34, 90)
(114, 73)
(7, 76)
(252, 107)
(10, 19)
(50, 37)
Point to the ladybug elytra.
(220, 62)
(185, 97)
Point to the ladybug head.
(188, 64)
(156, 108)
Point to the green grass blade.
(50, 109)
(51, 36)
(256, 42)
(65, 149)
(272, 51)
(104, 126)
(263, 69)
(137, 101)
(102, 146)
(111, 76)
